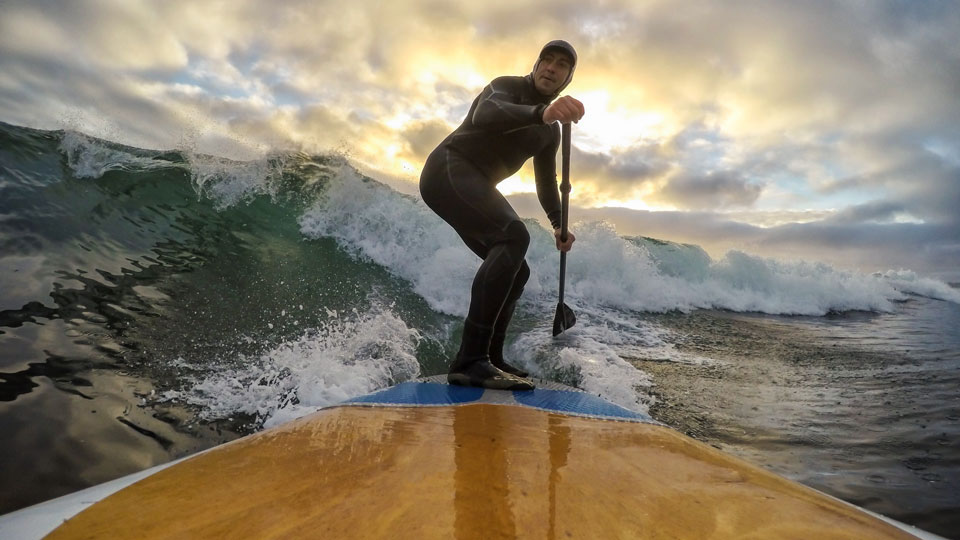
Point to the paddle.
(565, 317)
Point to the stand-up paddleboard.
(426, 460)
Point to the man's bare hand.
(564, 246)
(563, 110)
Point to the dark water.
(153, 304)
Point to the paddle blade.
(564, 319)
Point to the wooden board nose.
(468, 472)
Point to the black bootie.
(472, 366)
(496, 356)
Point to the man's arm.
(499, 109)
(545, 170)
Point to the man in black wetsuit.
(512, 120)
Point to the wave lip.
(909, 282)
(91, 158)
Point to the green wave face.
(171, 267)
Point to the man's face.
(552, 72)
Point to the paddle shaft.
(564, 199)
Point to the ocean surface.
(156, 303)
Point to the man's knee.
(517, 236)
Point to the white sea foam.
(90, 158)
(224, 181)
(229, 182)
(909, 282)
(583, 357)
(398, 232)
(345, 358)
(595, 355)
(633, 277)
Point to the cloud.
(716, 189)
(621, 173)
(423, 137)
(876, 212)
(924, 183)
(134, 37)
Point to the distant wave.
(641, 274)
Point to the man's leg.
(503, 321)
(458, 193)
(491, 292)
(496, 278)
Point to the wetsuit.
(502, 130)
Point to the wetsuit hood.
(565, 48)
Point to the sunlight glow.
(517, 183)
(606, 126)
(637, 204)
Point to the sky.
(817, 130)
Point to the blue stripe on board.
(575, 403)
(419, 393)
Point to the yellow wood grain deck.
(475, 471)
